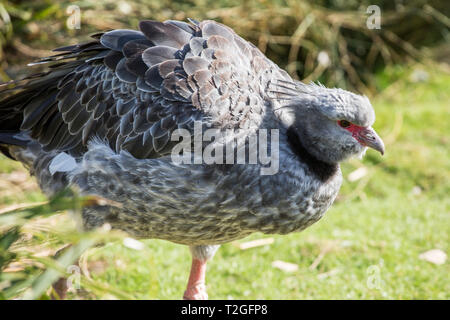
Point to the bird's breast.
(199, 204)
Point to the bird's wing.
(133, 88)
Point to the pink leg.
(196, 289)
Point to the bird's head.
(331, 124)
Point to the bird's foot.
(196, 292)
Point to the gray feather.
(194, 64)
(116, 39)
(158, 54)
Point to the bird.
(102, 119)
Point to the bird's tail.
(26, 102)
(15, 97)
(28, 106)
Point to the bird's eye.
(344, 123)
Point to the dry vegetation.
(293, 33)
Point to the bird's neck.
(323, 171)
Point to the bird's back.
(133, 88)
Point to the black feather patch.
(136, 66)
(12, 138)
(71, 113)
(153, 78)
(124, 73)
(36, 110)
(161, 142)
(52, 125)
(79, 122)
(141, 85)
(322, 170)
(112, 59)
(100, 110)
(136, 47)
(126, 124)
(123, 107)
(88, 128)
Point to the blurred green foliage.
(27, 272)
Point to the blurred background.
(386, 237)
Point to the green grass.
(369, 241)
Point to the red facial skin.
(366, 136)
(355, 131)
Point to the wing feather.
(133, 88)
